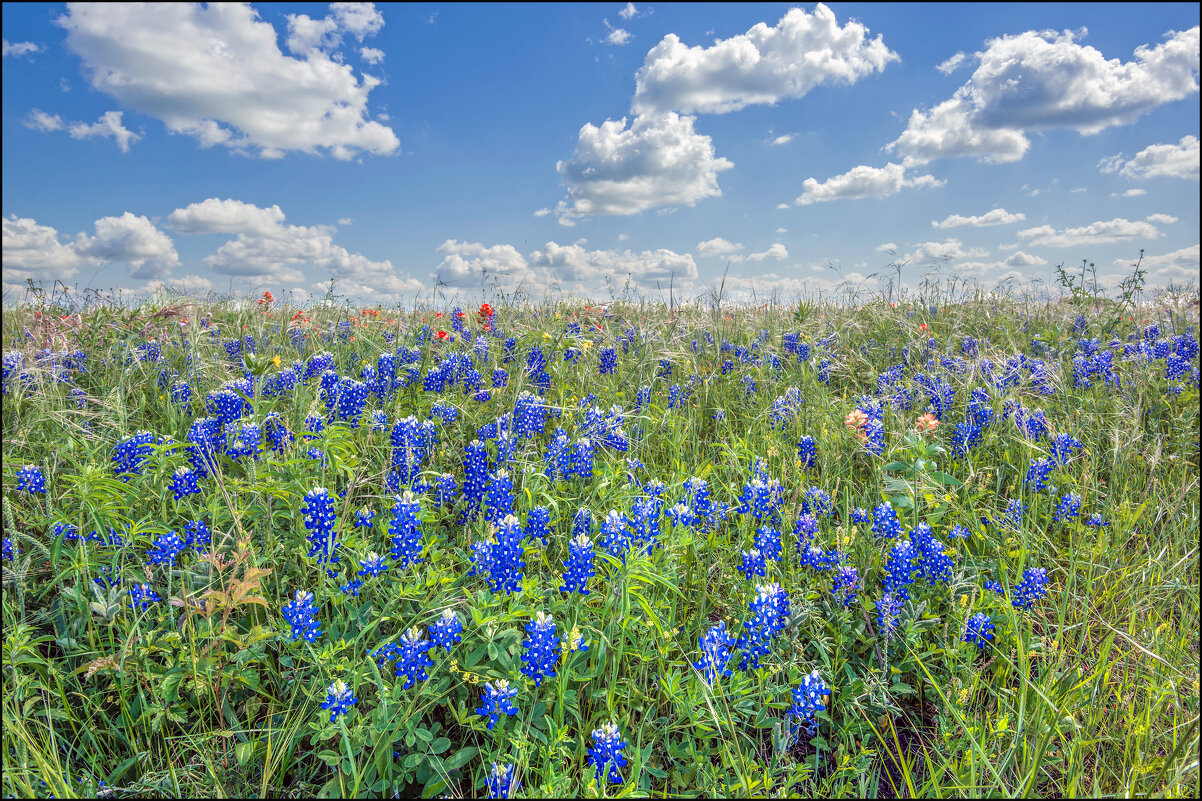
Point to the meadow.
(913, 548)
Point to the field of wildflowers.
(894, 549)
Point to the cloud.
(1097, 233)
(216, 216)
(1130, 193)
(784, 139)
(187, 284)
(35, 251)
(861, 182)
(572, 264)
(472, 265)
(133, 239)
(21, 48)
(886, 247)
(763, 66)
(1179, 267)
(266, 247)
(782, 230)
(780, 206)
(307, 36)
(39, 120)
(215, 72)
(994, 217)
(1041, 79)
(1020, 259)
(717, 247)
(1164, 219)
(346, 220)
(952, 64)
(775, 251)
(629, 12)
(542, 212)
(1158, 161)
(371, 55)
(658, 161)
(107, 127)
(947, 250)
(617, 36)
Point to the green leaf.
(946, 480)
(460, 758)
(440, 745)
(331, 758)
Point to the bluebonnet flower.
(898, 569)
(615, 540)
(859, 515)
(243, 439)
(769, 609)
(502, 560)
(278, 436)
(107, 578)
(131, 453)
(405, 530)
(1068, 508)
(715, 648)
(166, 548)
(885, 524)
(445, 631)
(372, 565)
(753, 564)
(141, 597)
(181, 392)
(767, 540)
(538, 523)
(609, 361)
(30, 479)
(845, 584)
(500, 781)
(475, 469)
(299, 613)
(339, 698)
(196, 532)
(978, 630)
(412, 657)
(785, 408)
(807, 452)
(582, 523)
(995, 587)
(1063, 447)
(318, 512)
(183, 482)
(352, 587)
(1013, 516)
(499, 502)
(496, 701)
(959, 532)
(606, 751)
(1033, 587)
(1038, 472)
(817, 502)
(579, 565)
(887, 611)
(540, 650)
(1096, 520)
(363, 518)
(933, 564)
(68, 531)
(807, 703)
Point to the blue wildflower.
(579, 565)
(445, 631)
(496, 701)
(807, 703)
(30, 479)
(978, 630)
(141, 597)
(339, 698)
(412, 657)
(540, 650)
(606, 751)
(299, 613)
(500, 781)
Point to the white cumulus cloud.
(717, 247)
(21, 48)
(587, 269)
(132, 239)
(107, 127)
(215, 72)
(658, 161)
(1096, 233)
(217, 216)
(994, 217)
(35, 251)
(952, 64)
(1158, 161)
(763, 66)
(946, 250)
(1043, 79)
(39, 120)
(863, 181)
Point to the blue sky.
(470, 150)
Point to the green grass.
(1092, 692)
